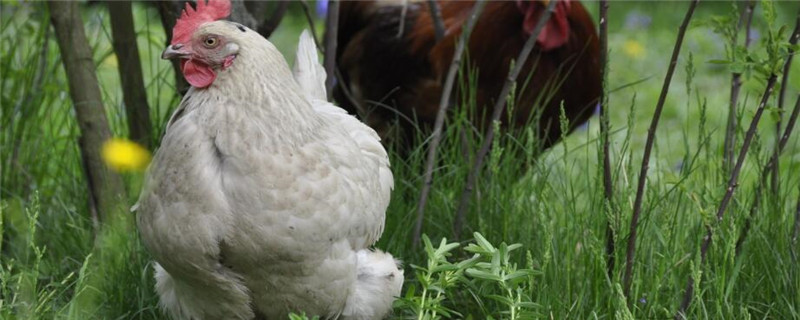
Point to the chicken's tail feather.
(378, 284)
(308, 72)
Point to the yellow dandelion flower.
(110, 61)
(125, 155)
(633, 49)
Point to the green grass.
(52, 266)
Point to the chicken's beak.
(174, 51)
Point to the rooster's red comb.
(192, 18)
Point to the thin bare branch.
(240, 14)
(736, 85)
(497, 111)
(771, 168)
(786, 134)
(651, 135)
(130, 72)
(749, 221)
(267, 27)
(608, 187)
(345, 89)
(436, 16)
(360, 110)
(331, 31)
(774, 170)
(748, 22)
(732, 184)
(307, 12)
(444, 103)
(772, 163)
(170, 11)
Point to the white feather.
(308, 72)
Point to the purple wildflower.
(322, 8)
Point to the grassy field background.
(551, 204)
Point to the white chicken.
(263, 199)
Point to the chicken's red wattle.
(198, 74)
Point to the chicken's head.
(556, 31)
(204, 45)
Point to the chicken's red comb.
(192, 18)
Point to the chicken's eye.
(210, 42)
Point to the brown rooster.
(394, 77)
